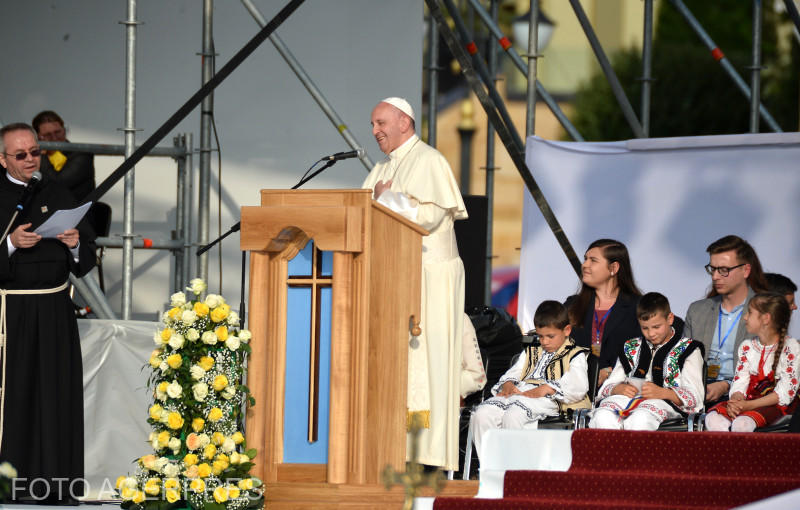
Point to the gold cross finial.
(414, 478)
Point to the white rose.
(234, 458)
(214, 300)
(164, 417)
(160, 463)
(161, 395)
(245, 335)
(174, 445)
(232, 343)
(171, 470)
(243, 458)
(154, 443)
(174, 389)
(129, 482)
(233, 319)
(163, 366)
(177, 299)
(7, 470)
(204, 440)
(228, 445)
(165, 318)
(176, 341)
(157, 338)
(229, 392)
(188, 317)
(197, 372)
(192, 334)
(200, 391)
(209, 337)
(197, 286)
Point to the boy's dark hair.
(780, 284)
(551, 314)
(651, 304)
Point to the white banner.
(667, 200)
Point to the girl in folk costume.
(765, 385)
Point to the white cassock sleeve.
(473, 377)
(573, 385)
(427, 215)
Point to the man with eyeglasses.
(41, 405)
(717, 321)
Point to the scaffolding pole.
(490, 168)
(755, 69)
(647, 66)
(533, 55)
(130, 140)
(517, 60)
(206, 114)
(717, 54)
(312, 89)
(608, 70)
(188, 203)
(433, 80)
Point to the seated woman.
(603, 313)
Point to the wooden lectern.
(375, 298)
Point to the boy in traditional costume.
(547, 378)
(657, 377)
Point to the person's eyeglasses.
(20, 156)
(723, 271)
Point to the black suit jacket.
(621, 325)
(77, 174)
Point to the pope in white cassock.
(415, 181)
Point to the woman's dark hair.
(46, 116)
(613, 251)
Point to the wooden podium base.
(325, 496)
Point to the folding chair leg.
(467, 452)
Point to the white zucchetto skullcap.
(402, 105)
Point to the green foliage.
(692, 95)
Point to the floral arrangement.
(7, 474)
(200, 458)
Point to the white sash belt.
(3, 335)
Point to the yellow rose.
(215, 414)
(246, 484)
(173, 495)
(120, 479)
(166, 334)
(138, 497)
(206, 363)
(223, 458)
(148, 461)
(153, 486)
(217, 438)
(174, 312)
(201, 309)
(155, 411)
(197, 424)
(192, 472)
(155, 359)
(203, 470)
(162, 386)
(233, 492)
(222, 333)
(174, 361)
(237, 437)
(217, 467)
(219, 313)
(163, 438)
(127, 493)
(209, 451)
(171, 483)
(220, 382)
(221, 494)
(174, 420)
(198, 485)
(234, 459)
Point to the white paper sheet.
(62, 220)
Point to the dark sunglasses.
(20, 156)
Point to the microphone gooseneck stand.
(330, 161)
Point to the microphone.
(344, 155)
(29, 190)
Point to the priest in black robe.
(41, 404)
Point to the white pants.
(515, 412)
(647, 416)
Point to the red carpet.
(618, 469)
